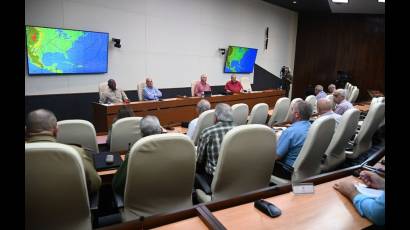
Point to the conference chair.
(205, 120)
(102, 87)
(335, 152)
(307, 163)
(245, 163)
(55, 188)
(311, 99)
(240, 113)
(331, 98)
(79, 132)
(354, 94)
(289, 114)
(140, 88)
(124, 133)
(279, 111)
(246, 84)
(160, 176)
(193, 83)
(363, 140)
(259, 114)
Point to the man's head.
(204, 77)
(41, 120)
(339, 95)
(223, 112)
(301, 110)
(324, 105)
(233, 78)
(148, 81)
(331, 88)
(112, 85)
(318, 88)
(202, 106)
(150, 125)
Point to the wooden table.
(178, 110)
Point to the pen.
(378, 171)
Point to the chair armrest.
(94, 199)
(118, 200)
(203, 184)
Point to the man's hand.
(372, 180)
(126, 101)
(346, 188)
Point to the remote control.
(267, 208)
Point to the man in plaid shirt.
(210, 141)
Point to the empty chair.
(79, 132)
(311, 99)
(335, 152)
(259, 114)
(363, 140)
(160, 176)
(140, 88)
(193, 83)
(124, 133)
(279, 111)
(240, 113)
(102, 87)
(55, 188)
(245, 162)
(354, 94)
(307, 163)
(205, 120)
(246, 84)
(288, 115)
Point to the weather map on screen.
(65, 51)
(240, 60)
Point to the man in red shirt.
(233, 86)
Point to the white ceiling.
(358, 7)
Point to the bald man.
(233, 86)
(150, 92)
(324, 108)
(42, 127)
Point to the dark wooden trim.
(209, 219)
(373, 159)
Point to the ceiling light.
(380, 1)
(294, 2)
(340, 1)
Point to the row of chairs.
(352, 92)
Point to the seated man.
(42, 127)
(149, 126)
(113, 94)
(370, 207)
(331, 88)
(150, 92)
(292, 139)
(324, 108)
(202, 106)
(210, 141)
(201, 86)
(319, 92)
(342, 105)
(233, 86)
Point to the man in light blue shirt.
(150, 92)
(371, 207)
(319, 92)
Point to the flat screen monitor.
(56, 51)
(240, 59)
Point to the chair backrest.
(80, 132)
(193, 83)
(102, 87)
(240, 113)
(55, 187)
(124, 133)
(347, 85)
(279, 111)
(245, 161)
(318, 138)
(349, 94)
(376, 100)
(160, 175)
(288, 115)
(311, 99)
(246, 84)
(354, 94)
(335, 152)
(259, 114)
(140, 88)
(205, 120)
(370, 124)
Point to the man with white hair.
(233, 86)
(319, 92)
(342, 105)
(331, 88)
(210, 141)
(150, 92)
(324, 108)
(202, 106)
(202, 86)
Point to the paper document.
(371, 192)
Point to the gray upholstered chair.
(193, 83)
(288, 115)
(124, 133)
(307, 163)
(259, 114)
(240, 113)
(354, 94)
(102, 87)
(140, 89)
(205, 120)
(363, 140)
(79, 132)
(335, 152)
(246, 84)
(245, 162)
(55, 188)
(311, 99)
(279, 111)
(160, 176)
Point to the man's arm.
(227, 88)
(202, 143)
(283, 145)
(148, 95)
(92, 177)
(124, 96)
(159, 94)
(196, 90)
(372, 208)
(103, 98)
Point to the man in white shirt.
(202, 106)
(324, 108)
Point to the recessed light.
(340, 1)
(294, 2)
(381, 1)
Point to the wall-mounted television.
(55, 51)
(240, 59)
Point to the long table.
(177, 110)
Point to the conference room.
(232, 114)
